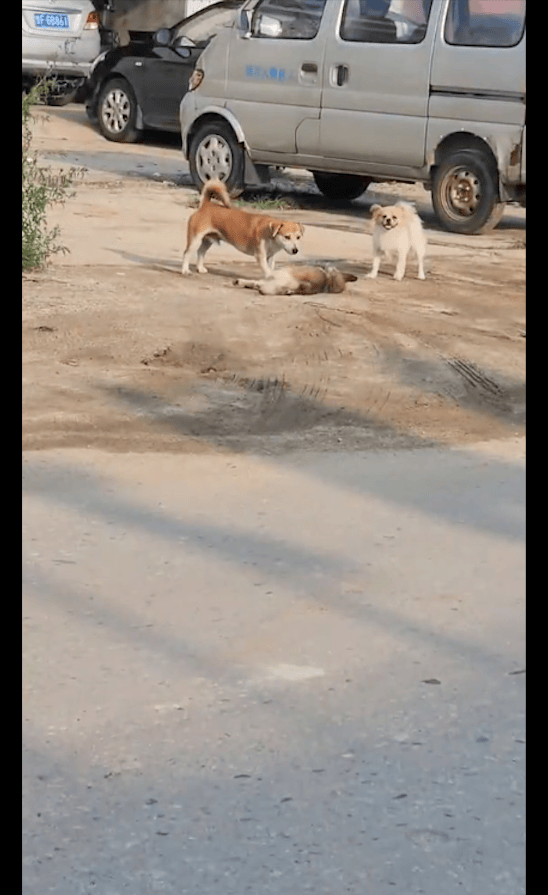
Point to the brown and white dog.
(254, 234)
(300, 281)
(397, 229)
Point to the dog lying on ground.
(397, 230)
(300, 281)
(254, 234)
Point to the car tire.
(341, 187)
(465, 192)
(216, 154)
(61, 99)
(117, 112)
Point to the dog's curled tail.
(337, 280)
(218, 189)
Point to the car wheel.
(61, 99)
(117, 112)
(341, 187)
(465, 193)
(215, 154)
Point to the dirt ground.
(123, 354)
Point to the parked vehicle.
(140, 85)
(61, 39)
(368, 90)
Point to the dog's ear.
(301, 228)
(275, 227)
(374, 211)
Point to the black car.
(141, 85)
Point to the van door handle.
(341, 75)
(309, 68)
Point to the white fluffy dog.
(397, 230)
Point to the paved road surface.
(290, 675)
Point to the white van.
(356, 91)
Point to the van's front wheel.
(215, 154)
(465, 193)
(340, 187)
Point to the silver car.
(60, 39)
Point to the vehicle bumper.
(38, 67)
(68, 55)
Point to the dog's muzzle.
(295, 250)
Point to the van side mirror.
(269, 27)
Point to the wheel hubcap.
(463, 192)
(116, 111)
(214, 158)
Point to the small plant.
(266, 203)
(41, 188)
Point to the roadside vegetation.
(41, 188)
(266, 203)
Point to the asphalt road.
(289, 675)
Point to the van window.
(287, 19)
(385, 21)
(485, 23)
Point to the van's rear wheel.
(465, 193)
(341, 187)
(215, 154)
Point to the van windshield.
(199, 28)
